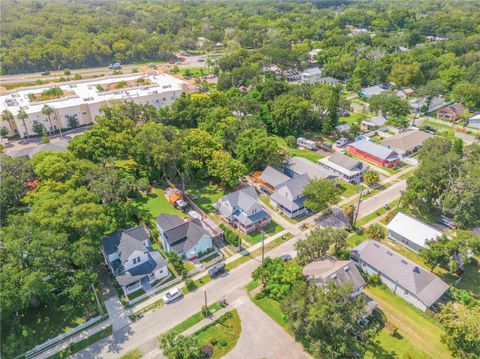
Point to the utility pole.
(400, 200)
(206, 306)
(358, 205)
(263, 246)
(100, 309)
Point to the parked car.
(117, 66)
(286, 257)
(217, 270)
(152, 65)
(327, 145)
(45, 73)
(172, 295)
(342, 142)
(201, 60)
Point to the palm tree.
(8, 116)
(48, 111)
(22, 116)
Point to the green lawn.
(305, 153)
(47, 321)
(156, 203)
(255, 237)
(209, 257)
(413, 325)
(348, 189)
(369, 217)
(273, 309)
(194, 71)
(207, 195)
(226, 334)
(75, 348)
(194, 319)
(134, 354)
(136, 294)
(355, 117)
(356, 239)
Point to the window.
(84, 112)
(134, 260)
(164, 99)
(35, 122)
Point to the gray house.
(406, 143)
(311, 75)
(297, 166)
(132, 260)
(188, 239)
(410, 232)
(289, 198)
(404, 277)
(270, 179)
(242, 210)
(347, 168)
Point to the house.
(474, 121)
(343, 273)
(370, 151)
(329, 80)
(270, 179)
(451, 113)
(242, 210)
(312, 55)
(289, 198)
(342, 128)
(406, 143)
(368, 92)
(436, 103)
(311, 75)
(309, 144)
(189, 239)
(297, 166)
(404, 277)
(59, 146)
(346, 168)
(132, 260)
(373, 123)
(410, 232)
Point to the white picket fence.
(52, 341)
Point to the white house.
(404, 277)
(84, 99)
(311, 76)
(188, 239)
(345, 167)
(410, 232)
(132, 260)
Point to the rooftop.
(406, 140)
(374, 149)
(413, 229)
(273, 177)
(301, 166)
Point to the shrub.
(376, 232)
(213, 341)
(230, 236)
(291, 141)
(374, 280)
(223, 342)
(190, 284)
(390, 216)
(207, 351)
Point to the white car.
(172, 295)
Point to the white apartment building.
(84, 100)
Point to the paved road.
(378, 200)
(261, 337)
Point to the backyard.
(156, 203)
(299, 152)
(205, 195)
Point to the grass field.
(207, 195)
(348, 189)
(299, 152)
(194, 319)
(413, 325)
(274, 311)
(255, 237)
(134, 354)
(156, 202)
(226, 334)
(354, 117)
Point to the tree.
(22, 116)
(407, 75)
(322, 317)
(321, 194)
(376, 232)
(177, 346)
(257, 150)
(72, 121)
(198, 149)
(436, 253)
(371, 177)
(7, 116)
(319, 241)
(290, 115)
(4, 132)
(48, 111)
(38, 128)
(461, 329)
(349, 212)
(226, 169)
(291, 141)
(389, 104)
(400, 122)
(277, 277)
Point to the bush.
(213, 341)
(390, 216)
(190, 284)
(291, 141)
(374, 280)
(207, 351)
(223, 342)
(230, 236)
(376, 232)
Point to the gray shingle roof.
(301, 166)
(406, 141)
(155, 261)
(372, 90)
(168, 221)
(273, 177)
(426, 286)
(342, 272)
(329, 80)
(312, 71)
(126, 242)
(295, 186)
(374, 149)
(185, 235)
(244, 198)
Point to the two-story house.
(189, 239)
(289, 197)
(242, 210)
(132, 260)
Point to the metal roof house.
(345, 167)
(374, 122)
(242, 210)
(132, 260)
(270, 179)
(297, 166)
(410, 232)
(329, 80)
(371, 91)
(311, 75)
(374, 153)
(404, 277)
(188, 239)
(406, 143)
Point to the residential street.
(380, 199)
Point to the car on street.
(172, 295)
(217, 270)
(286, 257)
(45, 73)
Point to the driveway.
(116, 312)
(261, 337)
